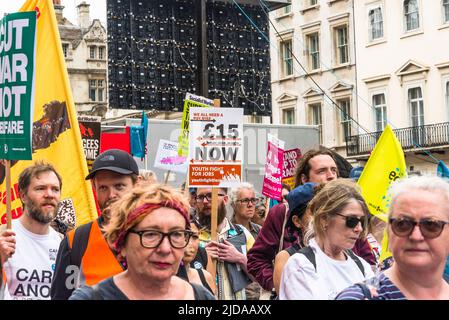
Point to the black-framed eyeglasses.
(352, 222)
(207, 196)
(430, 228)
(152, 238)
(246, 201)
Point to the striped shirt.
(386, 291)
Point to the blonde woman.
(327, 265)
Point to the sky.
(97, 8)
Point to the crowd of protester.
(153, 241)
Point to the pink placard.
(272, 181)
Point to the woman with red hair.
(149, 230)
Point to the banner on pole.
(215, 147)
(167, 157)
(17, 68)
(190, 101)
(56, 133)
(272, 181)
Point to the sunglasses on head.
(352, 222)
(430, 228)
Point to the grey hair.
(235, 191)
(426, 182)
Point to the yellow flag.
(56, 133)
(385, 165)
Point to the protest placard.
(272, 181)
(190, 101)
(17, 61)
(90, 128)
(291, 158)
(167, 157)
(215, 147)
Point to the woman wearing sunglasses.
(419, 241)
(148, 231)
(327, 265)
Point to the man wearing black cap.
(84, 256)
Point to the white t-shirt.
(29, 271)
(300, 281)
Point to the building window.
(287, 58)
(65, 49)
(416, 107)
(411, 14)
(345, 117)
(101, 51)
(376, 24)
(287, 9)
(380, 108)
(313, 50)
(92, 52)
(288, 116)
(446, 10)
(96, 90)
(416, 104)
(341, 43)
(316, 119)
(313, 2)
(447, 95)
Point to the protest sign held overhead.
(167, 157)
(190, 101)
(90, 127)
(56, 133)
(215, 147)
(17, 66)
(272, 181)
(291, 158)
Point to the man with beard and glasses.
(84, 256)
(229, 252)
(28, 251)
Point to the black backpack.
(310, 255)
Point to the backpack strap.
(198, 292)
(284, 224)
(203, 280)
(96, 295)
(310, 255)
(365, 290)
(356, 260)
(79, 245)
(293, 249)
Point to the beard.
(37, 214)
(205, 219)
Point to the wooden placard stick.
(8, 194)
(167, 175)
(214, 212)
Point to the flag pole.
(8, 193)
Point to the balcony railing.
(432, 135)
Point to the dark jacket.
(266, 246)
